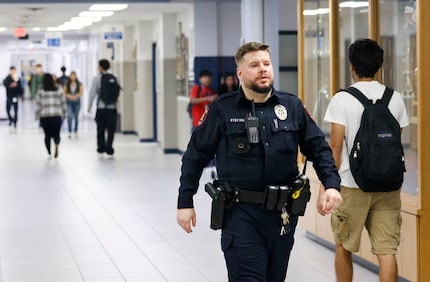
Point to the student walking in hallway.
(73, 90)
(106, 88)
(51, 110)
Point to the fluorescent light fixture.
(56, 28)
(352, 4)
(36, 29)
(3, 29)
(315, 12)
(96, 14)
(88, 19)
(82, 21)
(72, 25)
(108, 7)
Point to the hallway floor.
(82, 217)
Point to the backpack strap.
(358, 95)
(388, 93)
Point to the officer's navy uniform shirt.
(272, 161)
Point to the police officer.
(255, 134)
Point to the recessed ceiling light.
(3, 28)
(108, 7)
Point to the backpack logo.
(377, 160)
(110, 89)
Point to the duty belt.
(250, 197)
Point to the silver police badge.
(280, 112)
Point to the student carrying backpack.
(105, 86)
(110, 89)
(373, 173)
(190, 105)
(377, 160)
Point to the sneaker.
(56, 152)
(76, 135)
(49, 157)
(70, 135)
(109, 156)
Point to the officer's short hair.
(249, 47)
(366, 57)
(104, 64)
(12, 68)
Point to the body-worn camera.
(300, 195)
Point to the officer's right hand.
(184, 217)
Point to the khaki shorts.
(379, 212)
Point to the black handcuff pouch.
(294, 199)
(300, 195)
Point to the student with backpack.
(201, 96)
(367, 149)
(106, 88)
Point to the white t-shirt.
(346, 110)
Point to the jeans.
(12, 102)
(73, 108)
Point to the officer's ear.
(239, 73)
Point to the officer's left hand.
(185, 217)
(328, 200)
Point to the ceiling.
(43, 15)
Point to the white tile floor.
(85, 218)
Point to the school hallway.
(83, 217)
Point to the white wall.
(287, 14)
(205, 37)
(229, 28)
(4, 71)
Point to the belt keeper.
(236, 196)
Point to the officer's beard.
(262, 90)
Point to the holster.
(219, 199)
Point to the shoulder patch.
(307, 111)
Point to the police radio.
(251, 125)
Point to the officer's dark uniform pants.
(106, 121)
(252, 245)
